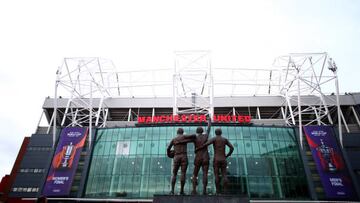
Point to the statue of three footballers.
(200, 140)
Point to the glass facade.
(132, 163)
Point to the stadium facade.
(102, 141)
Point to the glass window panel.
(147, 147)
(248, 148)
(253, 133)
(133, 147)
(239, 147)
(263, 148)
(140, 132)
(163, 133)
(128, 133)
(103, 166)
(114, 185)
(231, 134)
(114, 135)
(170, 133)
(274, 134)
(121, 133)
(155, 133)
(241, 166)
(112, 148)
(154, 146)
(107, 146)
(148, 133)
(162, 147)
(260, 133)
(138, 165)
(98, 148)
(147, 165)
(255, 147)
(140, 147)
(107, 135)
(232, 166)
(282, 137)
(246, 133)
(136, 185)
(144, 188)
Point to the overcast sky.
(36, 35)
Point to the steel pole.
(299, 112)
(90, 116)
(338, 108)
(54, 114)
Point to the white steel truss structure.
(81, 79)
(193, 79)
(307, 75)
(192, 84)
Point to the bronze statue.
(201, 158)
(219, 143)
(179, 155)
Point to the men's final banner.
(329, 162)
(65, 161)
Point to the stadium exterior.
(292, 141)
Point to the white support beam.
(41, 116)
(211, 87)
(66, 111)
(174, 95)
(99, 111)
(283, 113)
(317, 116)
(299, 114)
(105, 118)
(55, 106)
(90, 115)
(344, 121)
(129, 115)
(338, 109)
(258, 113)
(74, 117)
(152, 114)
(50, 123)
(291, 111)
(355, 115)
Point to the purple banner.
(65, 161)
(329, 162)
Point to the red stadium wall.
(8, 180)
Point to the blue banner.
(65, 161)
(329, 162)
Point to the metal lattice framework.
(193, 84)
(82, 79)
(307, 75)
(193, 79)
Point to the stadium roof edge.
(238, 101)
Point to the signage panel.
(65, 161)
(193, 118)
(329, 162)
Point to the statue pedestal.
(200, 199)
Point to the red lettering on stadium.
(191, 118)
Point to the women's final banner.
(329, 162)
(65, 161)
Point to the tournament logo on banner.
(65, 161)
(329, 162)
